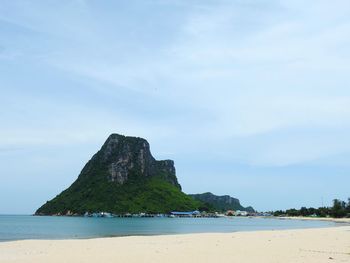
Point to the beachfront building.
(241, 213)
(230, 213)
(186, 214)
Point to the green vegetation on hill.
(150, 195)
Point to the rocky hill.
(221, 203)
(122, 177)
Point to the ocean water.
(14, 227)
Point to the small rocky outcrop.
(221, 203)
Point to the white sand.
(310, 246)
(331, 219)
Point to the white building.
(241, 213)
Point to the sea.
(20, 227)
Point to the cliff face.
(221, 203)
(122, 177)
(122, 156)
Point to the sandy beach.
(330, 219)
(307, 245)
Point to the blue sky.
(250, 98)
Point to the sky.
(249, 98)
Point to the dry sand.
(309, 245)
(336, 220)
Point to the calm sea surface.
(42, 227)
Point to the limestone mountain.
(221, 203)
(122, 177)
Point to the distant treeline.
(338, 210)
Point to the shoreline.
(171, 234)
(300, 245)
(337, 223)
(329, 219)
(157, 233)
